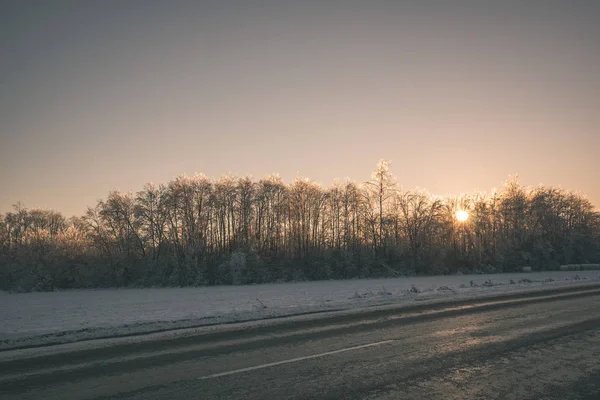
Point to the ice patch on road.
(31, 319)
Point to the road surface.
(522, 348)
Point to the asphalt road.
(522, 348)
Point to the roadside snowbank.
(31, 319)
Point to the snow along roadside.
(74, 316)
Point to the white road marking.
(292, 360)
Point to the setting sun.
(462, 215)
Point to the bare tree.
(195, 231)
(380, 189)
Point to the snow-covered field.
(58, 317)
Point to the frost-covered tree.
(379, 190)
(195, 230)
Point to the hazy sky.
(103, 95)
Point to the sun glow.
(462, 215)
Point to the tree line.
(199, 231)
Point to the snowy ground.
(28, 319)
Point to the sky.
(107, 95)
